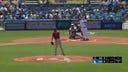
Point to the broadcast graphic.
(106, 59)
(63, 35)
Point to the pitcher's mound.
(54, 59)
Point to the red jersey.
(56, 35)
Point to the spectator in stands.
(68, 14)
(33, 15)
(9, 1)
(88, 1)
(12, 16)
(122, 10)
(104, 19)
(49, 15)
(21, 2)
(1, 17)
(1, 2)
(63, 14)
(42, 15)
(13, 11)
(43, 1)
(59, 15)
(77, 13)
(110, 5)
(109, 2)
(88, 16)
(47, 2)
(28, 17)
(97, 18)
(104, 9)
(20, 16)
(115, 4)
(55, 15)
(111, 19)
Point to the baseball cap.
(72, 24)
(54, 29)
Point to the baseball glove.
(52, 43)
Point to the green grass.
(111, 33)
(10, 52)
(11, 35)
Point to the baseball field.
(20, 44)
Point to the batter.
(84, 30)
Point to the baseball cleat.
(87, 39)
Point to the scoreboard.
(106, 59)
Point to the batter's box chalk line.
(80, 40)
(90, 33)
(118, 43)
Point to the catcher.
(73, 32)
(56, 38)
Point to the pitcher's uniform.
(56, 36)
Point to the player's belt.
(57, 38)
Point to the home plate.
(73, 40)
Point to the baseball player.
(73, 32)
(84, 30)
(56, 38)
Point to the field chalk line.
(80, 40)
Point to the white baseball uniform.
(83, 25)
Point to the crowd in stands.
(110, 12)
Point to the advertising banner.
(14, 24)
(94, 24)
(40, 24)
(63, 24)
(111, 25)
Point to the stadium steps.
(31, 2)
